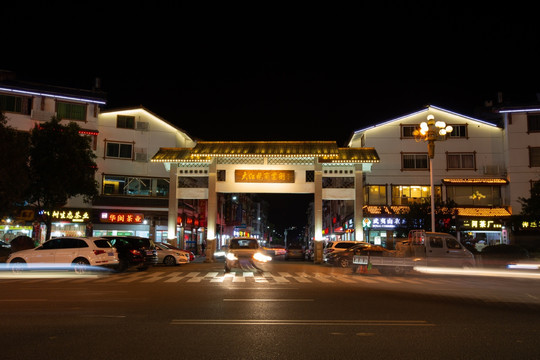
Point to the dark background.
(272, 71)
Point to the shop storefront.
(380, 230)
(64, 222)
(482, 232)
(121, 223)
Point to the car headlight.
(231, 256)
(261, 257)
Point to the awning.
(475, 181)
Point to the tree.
(61, 166)
(14, 175)
(530, 207)
(418, 216)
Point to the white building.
(469, 168)
(26, 105)
(133, 191)
(131, 186)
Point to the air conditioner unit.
(142, 125)
(491, 169)
(139, 156)
(42, 115)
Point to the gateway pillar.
(212, 212)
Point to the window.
(452, 244)
(533, 122)
(414, 162)
(192, 182)
(414, 194)
(375, 194)
(71, 111)
(138, 186)
(407, 131)
(534, 156)
(436, 242)
(459, 131)
(125, 122)
(15, 104)
(69, 243)
(310, 176)
(460, 161)
(135, 186)
(119, 150)
(475, 195)
(338, 182)
(221, 175)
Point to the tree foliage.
(14, 172)
(530, 207)
(418, 216)
(61, 166)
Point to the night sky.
(272, 72)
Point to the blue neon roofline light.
(25, 92)
(421, 111)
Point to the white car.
(74, 253)
(243, 252)
(170, 255)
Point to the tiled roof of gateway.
(326, 151)
(266, 148)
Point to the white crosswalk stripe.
(247, 276)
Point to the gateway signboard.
(264, 176)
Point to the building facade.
(469, 170)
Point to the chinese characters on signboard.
(68, 215)
(264, 176)
(122, 218)
(382, 222)
(530, 225)
(483, 224)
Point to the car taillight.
(98, 252)
(135, 252)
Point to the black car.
(294, 251)
(345, 258)
(133, 251)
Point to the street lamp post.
(432, 131)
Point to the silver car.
(170, 255)
(244, 252)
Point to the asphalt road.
(291, 310)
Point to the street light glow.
(428, 132)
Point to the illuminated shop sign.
(382, 223)
(122, 218)
(73, 215)
(264, 176)
(530, 225)
(483, 224)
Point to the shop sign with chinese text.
(481, 224)
(122, 218)
(264, 176)
(71, 215)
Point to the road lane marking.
(302, 322)
(266, 300)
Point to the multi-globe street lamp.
(432, 131)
